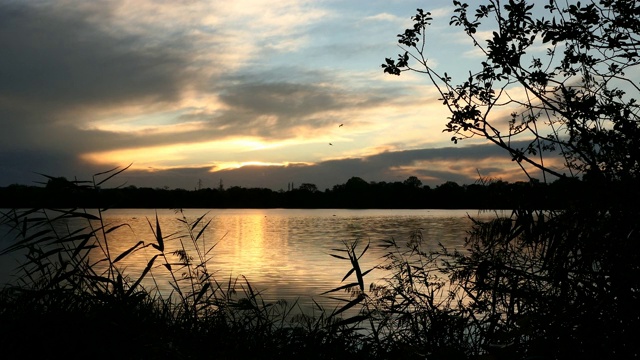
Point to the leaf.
(365, 250)
(113, 228)
(49, 253)
(99, 279)
(368, 271)
(349, 305)
(195, 223)
(22, 243)
(202, 291)
(82, 246)
(351, 320)
(202, 230)
(348, 274)
(347, 286)
(356, 267)
(82, 215)
(157, 232)
(112, 175)
(67, 239)
(144, 273)
(106, 172)
(60, 277)
(128, 251)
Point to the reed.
(73, 295)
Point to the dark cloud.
(61, 57)
(326, 174)
(59, 64)
(283, 99)
(264, 104)
(24, 166)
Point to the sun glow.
(187, 154)
(237, 165)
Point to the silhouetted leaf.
(127, 252)
(144, 273)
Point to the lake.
(285, 253)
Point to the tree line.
(355, 193)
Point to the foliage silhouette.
(563, 283)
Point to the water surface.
(285, 253)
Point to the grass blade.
(202, 292)
(349, 305)
(112, 175)
(144, 273)
(113, 228)
(202, 230)
(351, 320)
(127, 252)
(195, 223)
(157, 232)
(343, 287)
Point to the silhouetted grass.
(73, 297)
(507, 295)
(71, 302)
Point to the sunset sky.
(252, 93)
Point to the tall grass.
(413, 312)
(72, 295)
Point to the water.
(284, 253)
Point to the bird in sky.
(340, 125)
(331, 144)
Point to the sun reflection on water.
(285, 253)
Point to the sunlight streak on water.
(282, 252)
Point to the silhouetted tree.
(560, 284)
(413, 182)
(449, 194)
(357, 193)
(308, 187)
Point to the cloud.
(385, 17)
(62, 65)
(57, 58)
(184, 87)
(265, 107)
(68, 67)
(65, 66)
(279, 109)
(462, 164)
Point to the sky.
(251, 93)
